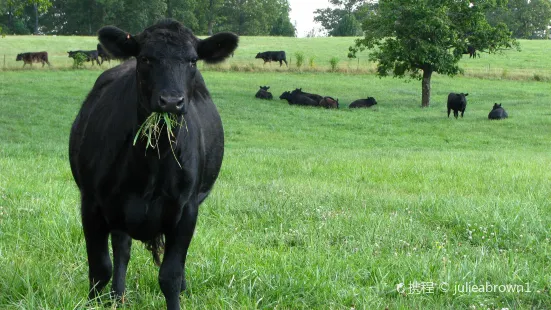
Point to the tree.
(16, 8)
(282, 25)
(526, 19)
(344, 19)
(420, 37)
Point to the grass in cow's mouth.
(153, 127)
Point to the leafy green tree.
(420, 37)
(526, 19)
(344, 19)
(282, 25)
(15, 9)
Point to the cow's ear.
(466, 94)
(118, 43)
(217, 47)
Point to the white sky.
(302, 11)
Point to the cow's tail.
(156, 246)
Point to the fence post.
(4, 61)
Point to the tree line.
(527, 19)
(203, 17)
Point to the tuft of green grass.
(152, 129)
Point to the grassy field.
(529, 64)
(314, 209)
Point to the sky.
(302, 11)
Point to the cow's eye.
(144, 60)
(193, 62)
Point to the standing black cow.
(497, 112)
(363, 103)
(263, 93)
(273, 56)
(29, 58)
(457, 102)
(133, 192)
(89, 55)
(103, 55)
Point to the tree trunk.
(10, 19)
(35, 18)
(211, 22)
(425, 101)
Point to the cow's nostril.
(162, 101)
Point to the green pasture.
(531, 63)
(392, 207)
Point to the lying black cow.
(457, 102)
(29, 58)
(298, 99)
(130, 191)
(273, 56)
(497, 112)
(298, 91)
(89, 55)
(263, 93)
(363, 103)
(103, 55)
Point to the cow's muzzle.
(172, 104)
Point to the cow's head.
(259, 55)
(496, 106)
(166, 60)
(265, 87)
(19, 57)
(285, 95)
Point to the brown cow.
(329, 103)
(29, 58)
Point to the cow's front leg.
(96, 234)
(172, 274)
(121, 244)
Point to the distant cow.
(103, 55)
(129, 191)
(298, 91)
(90, 55)
(298, 99)
(471, 50)
(263, 93)
(29, 58)
(363, 103)
(497, 112)
(329, 103)
(273, 56)
(457, 102)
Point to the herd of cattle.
(298, 97)
(99, 55)
(456, 102)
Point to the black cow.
(29, 58)
(497, 112)
(457, 102)
(273, 56)
(132, 192)
(263, 93)
(298, 99)
(103, 55)
(363, 103)
(471, 50)
(329, 103)
(90, 55)
(298, 91)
